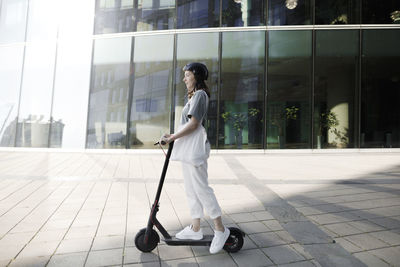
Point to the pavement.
(84, 208)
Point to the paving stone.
(332, 255)
(74, 245)
(108, 242)
(299, 264)
(366, 241)
(347, 245)
(253, 258)
(39, 249)
(179, 263)
(370, 260)
(105, 257)
(343, 229)
(68, 260)
(38, 261)
(283, 254)
(274, 225)
(147, 264)
(262, 215)
(390, 255)
(133, 255)
(388, 223)
(267, 239)
(366, 226)
(253, 227)
(174, 252)
(243, 217)
(220, 260)
(51, 235)
(388, 237)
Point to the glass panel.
(113, 16)
(289, 12)
(155, 15)
(108, 100)
(380, 116)
(336, 80)
(10, 77)
(13, 20)
(151, 103)
(198, 14)
(43, 20)
(243, 13)
(198, 47)
(337, 12)
(37, 86)
(81, 26)
(68, 128)
(242, 90)
(289, 89)
(381, 12)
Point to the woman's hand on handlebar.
(166, 139)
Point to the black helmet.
(199, 70)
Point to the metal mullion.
(312, 95)
(264, 137)
(92, 74)
(130, 95)
(22, 75)
(173, 85)
(219, 87)
(52, 91)
(359, 89)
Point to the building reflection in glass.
(109, 92)
(151, 101)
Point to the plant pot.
(320, 140)
(281, 141)
(239, 140)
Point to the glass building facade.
(284, 74)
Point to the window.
(289, 12)
(104, 130)
(151, 102)
(239, 13)
(198, 14)
(335, 93)
(380, 92)
(198, 47)
(242, 90)
(337, 12)
(289, 89)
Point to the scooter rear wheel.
(235, 240)
(152, 243)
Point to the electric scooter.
(147, 238)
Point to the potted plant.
(280, 119)
(239, 121)
(327, 121)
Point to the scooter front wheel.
(235, 240)
(152, 242)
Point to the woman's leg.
(196, 208)
(218, 224)
(205, 194)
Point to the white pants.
(199, 194)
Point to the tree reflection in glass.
(289, 89)
(242, 85)
(243, 13)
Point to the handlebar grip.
(162, 143)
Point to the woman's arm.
(189, 128)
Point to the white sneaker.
(188, 233)
(219, 240)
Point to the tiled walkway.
(306, 209)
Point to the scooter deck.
(173, 241)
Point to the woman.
(199, 194)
